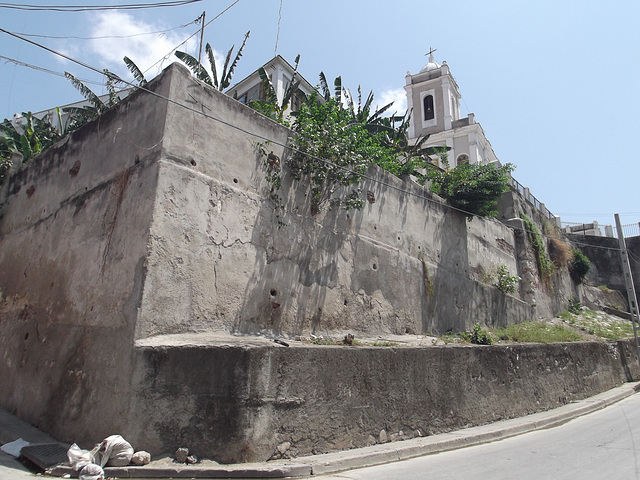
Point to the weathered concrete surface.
(73, 233)
(155, 220)
(241, 402)
(220, 259)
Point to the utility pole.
(201, 38)
(628, 280)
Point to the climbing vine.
(545, 265)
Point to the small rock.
(283, 447)
(382, 438)
(182, 454)
(371, 440)
(141, 458)
(191, 459)
(394, 437)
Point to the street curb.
(376, 454)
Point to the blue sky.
(553, 83)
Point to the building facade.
(433, 95)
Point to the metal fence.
(524, 191)
(594, 228)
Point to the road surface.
(602, 445)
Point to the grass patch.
(603, 327)
(384, 343)
(537, 332)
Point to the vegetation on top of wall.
(472, 188)
(219, 82)
(477, 335)
(28, 137)
(545, 266)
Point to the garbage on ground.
(113, 451)
(91, 471)
(13, 448)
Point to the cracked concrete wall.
(155, 220)
(73, 247)
(221, 260)
(244, 401)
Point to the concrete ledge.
(377, 454)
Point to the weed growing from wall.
(579, 266)
(545, 265)
(505, 282)
(477, 335)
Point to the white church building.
(433, 96)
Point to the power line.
(275, 142)
(62, 37)
(85, 8)
(45, 70)
(192, 35)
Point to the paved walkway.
(12, 428)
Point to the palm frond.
(324, 86)
(195, 66)
(86, 92)
(226, 77)
(135, 71)
(337, 84)
(212, 63)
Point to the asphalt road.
(602, 445)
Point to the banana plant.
(219, 82)
(135, 71)
(81, 115)
(337, 88)
(270, 105)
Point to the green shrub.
(579, 266)
(477, 336)
(505, 282)
(473, 188)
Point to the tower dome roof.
(432, 65)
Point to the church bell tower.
(433, 95)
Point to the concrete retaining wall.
(154, 220)
(240, 403)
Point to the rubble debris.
(181, 454)
(91, 471)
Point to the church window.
(464, 158)
(427, 105)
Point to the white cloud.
(146, 51)
(397, 96)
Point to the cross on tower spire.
(430, 52)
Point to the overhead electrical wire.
(63, 37)
(193, 35)
(275, 142)
(85, 8)
(45, 70)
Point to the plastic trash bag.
(91, 471)
(114, 451)
(78, 457)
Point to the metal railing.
(594, 228)
(528, 196)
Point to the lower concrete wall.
(238, 403)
